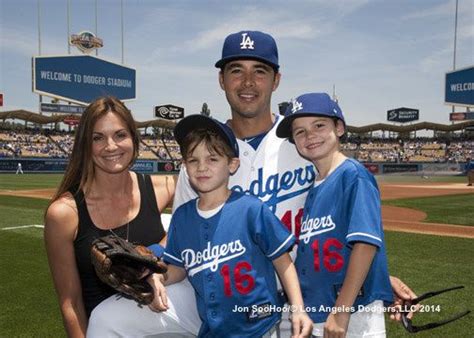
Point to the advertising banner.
(82, 78)
(461, 116)
(372, 167)
(399, 168)
(170, 167)
(61, 108)
(459, 87)
(144, 166)
(58, 165)
(169, 112)
(403, 115)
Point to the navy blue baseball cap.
(311, 104)
(198, 121)
(253, 45)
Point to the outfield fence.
(416, 169)
(58, 165)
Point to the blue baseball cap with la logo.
(253, 45)
(311, 104)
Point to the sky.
(379, 54)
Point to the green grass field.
(27, 299)
(428, 263)
(29, 304)
(451, 209)
(24, 182)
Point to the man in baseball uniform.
(469, 171)
(270, 168)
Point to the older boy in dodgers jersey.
(341, 259)
(226, 242)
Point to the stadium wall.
(416, 168)
(35, 165)
(57, 165)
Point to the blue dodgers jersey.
(228, 260)
(342, 210)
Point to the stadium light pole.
(39, 27)
(97, 49)
(455, 34)
(39, 49)
(68, 26)
(455, 39)
(121, 16)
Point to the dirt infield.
(394, 218)
(39, 193)
(411, 220)
(390, 191)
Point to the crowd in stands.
(169, 150)
(54, 144)
(30, 143)
(415, 150)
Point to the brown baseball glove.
(125, 267)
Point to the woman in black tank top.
(99, 196)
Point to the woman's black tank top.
(146, 229)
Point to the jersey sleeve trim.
(287, 243)
(368, 238)
(172, 259)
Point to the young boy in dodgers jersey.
(341, 259)
(228, 243)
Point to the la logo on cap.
(247, 42)
(296, 106)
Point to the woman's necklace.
(128, 232)
(128, 223)
(130, 201)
